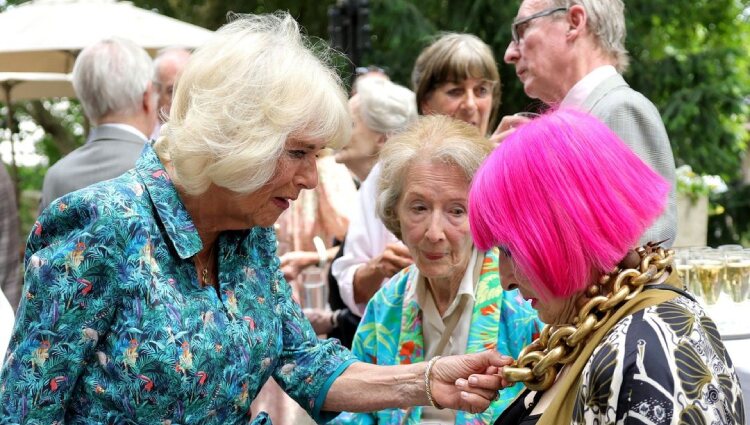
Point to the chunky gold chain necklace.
(539, 363)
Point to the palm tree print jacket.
(114, 327)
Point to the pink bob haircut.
(567, 198)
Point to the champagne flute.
(694, 258)
(708, 270)
(737, 281)
(684, 267)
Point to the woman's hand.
(292, 263)
(395, 257)
(468, 382)
(369, 277)
(321, 320)
(507, 126)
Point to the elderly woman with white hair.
(156, 297)
(379, 108)
(450, 301)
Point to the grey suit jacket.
(109, 152)
(637, 121)
(10, 241)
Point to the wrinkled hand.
(292, 263)
(319, 319)
(507, 126)
(395, 257)
(469, 382)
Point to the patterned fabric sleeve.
(68, 303)
(665, 364)
(308, 365)
(364, 347)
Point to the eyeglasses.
(504, 249)
(519, 27)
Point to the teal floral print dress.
(114, 328)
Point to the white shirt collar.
(126, 127)
(418, 290)
(583, 88)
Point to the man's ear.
(577, 19)
(150, 98)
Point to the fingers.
(482, 383)
(507, 126)
(497, 138)
(397, 262)
(394, 258)
(512, 121)
(399, 249)
(290, 273)
(492, 370)
(473, 403)
(486, 388)
(493, 358)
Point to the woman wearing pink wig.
(566, 201)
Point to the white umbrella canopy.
(46, 35)
(17, 86)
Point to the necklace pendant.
(205, 277)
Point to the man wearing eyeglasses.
(571, 53)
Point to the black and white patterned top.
(665, 364)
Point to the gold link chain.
(539, 363)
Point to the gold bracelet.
(427, 382)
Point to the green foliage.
(734, 225)
(402, 28)
(692, 62)
(212, 14)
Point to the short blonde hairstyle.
(432, 139)
(453, 58)
(255, 84)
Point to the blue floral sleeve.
(68, 303)
(362, 351)
(308, 365)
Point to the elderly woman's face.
(469, 100)
(434, 224)
(365, 143)
(296, 170)
(554, 310)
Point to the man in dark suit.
(112, 79)
(571, 54)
